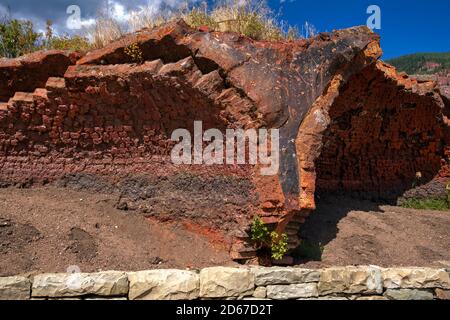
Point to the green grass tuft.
(440, 204)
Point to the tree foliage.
(423, 63)
(17, 37)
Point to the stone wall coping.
(245, 282)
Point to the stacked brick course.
(347, 122)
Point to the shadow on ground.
(321, 227)
(347, 231)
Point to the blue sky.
(407, 26)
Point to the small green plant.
(277, 243)
(135, 53)
(259, 230)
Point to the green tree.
(17, 37)
(417, 63)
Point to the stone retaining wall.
(247, 283)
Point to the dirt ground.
(347, 231)
(49, 229)
(52, 229)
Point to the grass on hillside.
(416, 63)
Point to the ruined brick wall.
(379, 135)
(32, 71)
(442, 79)
(346, 123)
(107, 128)
(384, 137)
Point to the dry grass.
(104, 31)
(252, 18)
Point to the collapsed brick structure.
(442, 79)
(348, 123)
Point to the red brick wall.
(381, 137)
(32, 71)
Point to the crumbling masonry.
(348, 123)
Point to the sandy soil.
(345, 231)
(49, 229)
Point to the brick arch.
(371, 136)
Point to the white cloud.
(119, 12)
